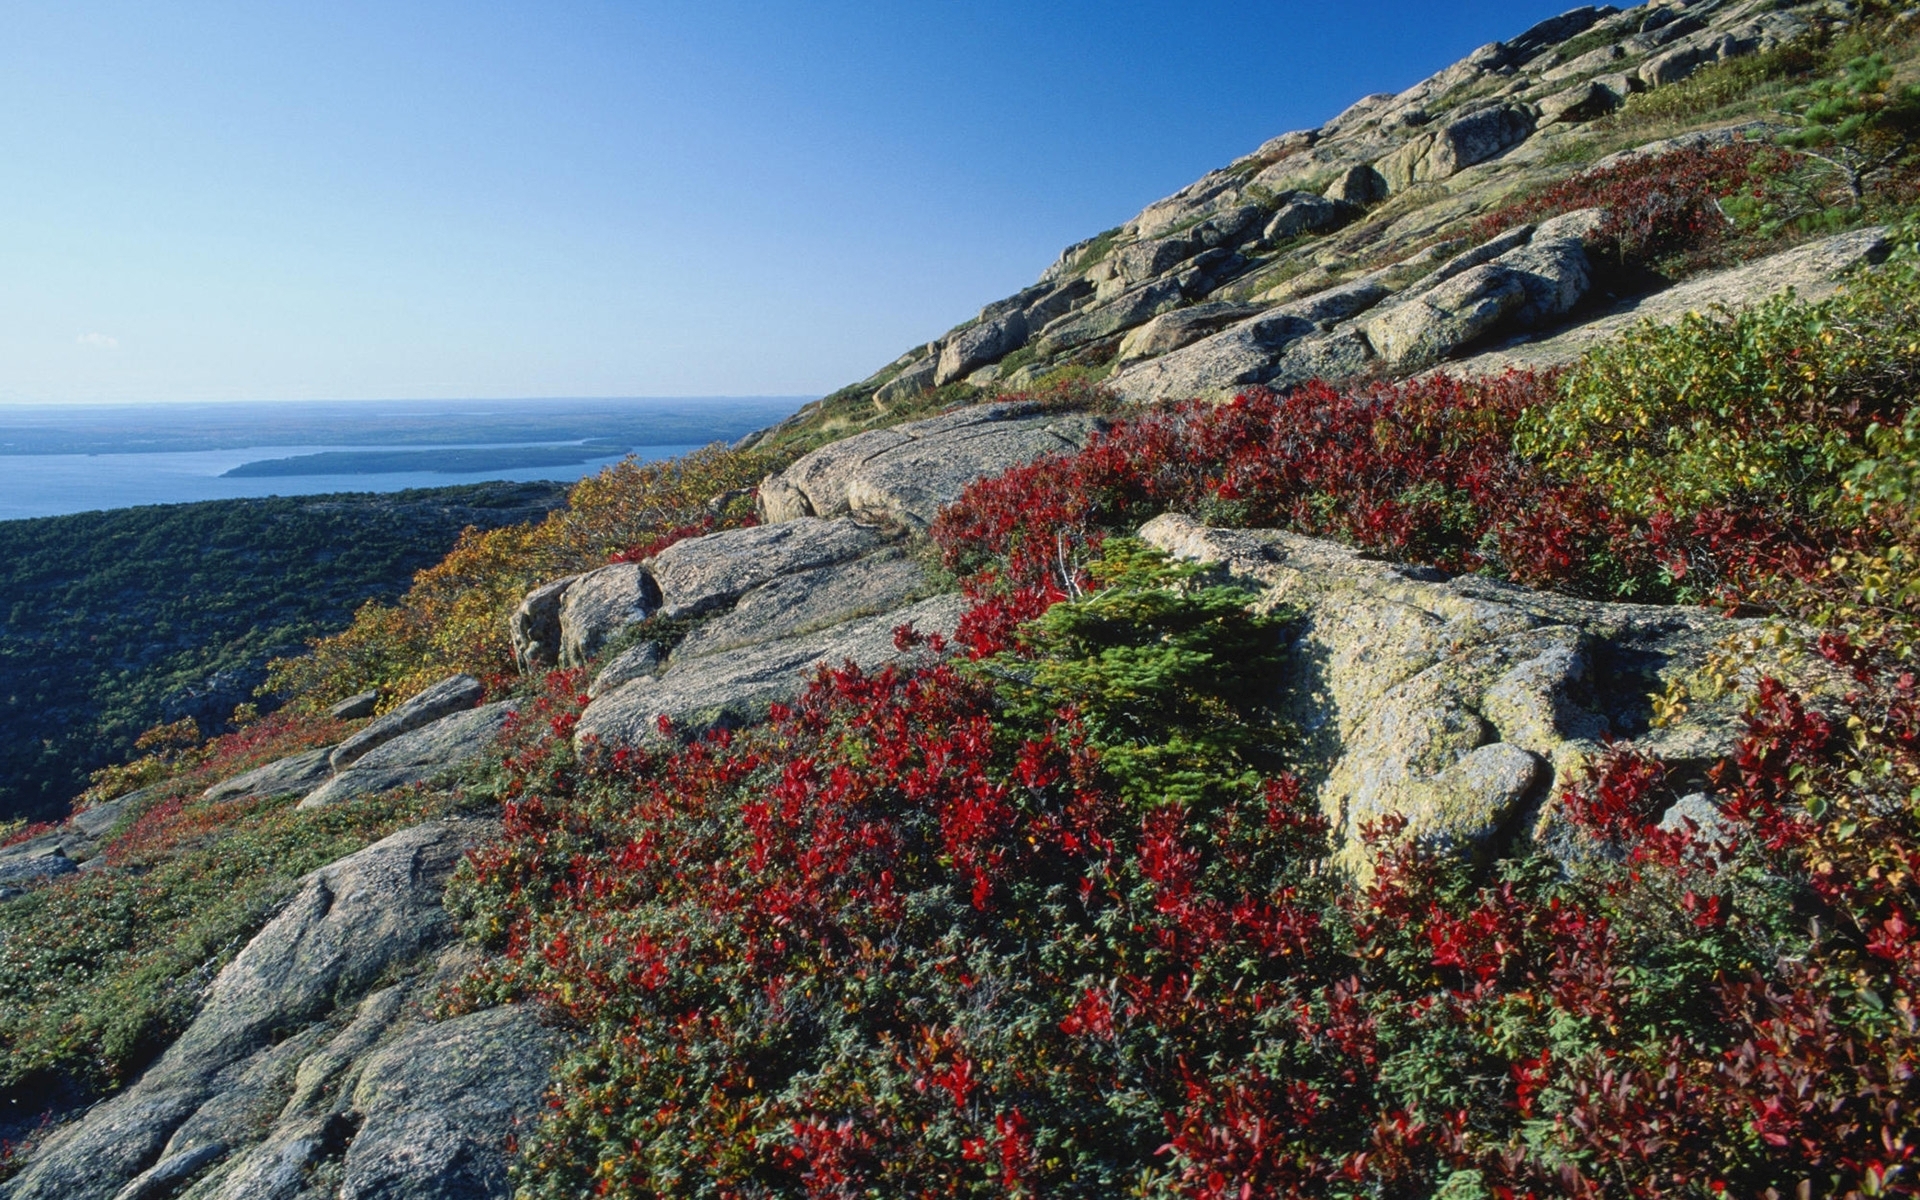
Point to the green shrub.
(1163, 670)
(1771, 403)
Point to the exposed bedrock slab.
(356, 707)
(810, 601)
(1182, 327)
(634, 662)
(1462, 703)
(1247, 352)
(983, 344)
(1456, 145)
(702, 574)
(417, 757)
(1118, 314)
(903, 475)
(450, 695)
(731, 688)
(1813, 271)
(438, 1104)
(298, 773)
(347, 925)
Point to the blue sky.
(280, 200)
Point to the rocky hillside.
(1387, 674)
(1362, 248)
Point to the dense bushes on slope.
(1688, 462)
(1056, 921)
(934, 933)
(109, 620)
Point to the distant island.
(443, 462)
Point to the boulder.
(1058, 302)
(1199, 199)
(534, 627)
(450, 695)
(1122, 312)
(1358, 185)
(1555, 274)
(1587, 64)
(982, 345)
(911, 382)
(599, 605)
(1230, 228)
(1419, 332)
(1464, 704)
(356, 707)
(96, 820)
(1303, 212)
(1181, 327)
(33, 861)
(702, 574)
(1246, 353)
(1240, 355)
(1153, 257)
(1551, 32)
(1671, 66)
(1466, 260)
(297, 774)
(1459, 144)
(632, 663)
(904, 475)
(1581, 102)
(420, 756)
(808, 601)
(732, 688)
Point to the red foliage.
(1419, 471)
(1654, 206)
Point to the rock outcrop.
(1460, 703)
(416, 757)
(902, 475)
(449, 696)
(313, 1069)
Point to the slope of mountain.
(1374, 773)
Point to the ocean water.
(49, 485)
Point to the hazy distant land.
(172, 428)
(466, 461)
(86, 458)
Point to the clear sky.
(457, 198)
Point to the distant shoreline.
(439, 462)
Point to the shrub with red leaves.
(1656, 208)
(1422, 471)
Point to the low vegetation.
(99, 973)
(1045, 913)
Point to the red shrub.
(1655, 207)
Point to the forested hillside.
(115, 621)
